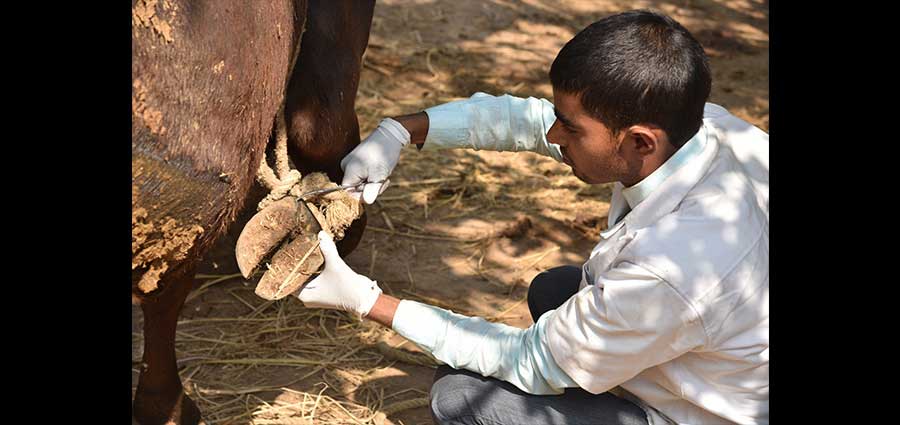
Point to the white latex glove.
(338, 286)
(374, 159)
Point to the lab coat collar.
(667, 195)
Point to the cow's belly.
(177, 212)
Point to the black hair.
(637, 67)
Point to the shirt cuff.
(419, 323)
(448, 127)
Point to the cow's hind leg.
(160, 398)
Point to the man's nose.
(553, 133)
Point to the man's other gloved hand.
(338, 286)
(374, 159)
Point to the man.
(670, 311)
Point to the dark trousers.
(460, 397)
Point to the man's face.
(587, 145)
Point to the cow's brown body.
(208, 78)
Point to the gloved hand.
(374, 159)
(338, 286)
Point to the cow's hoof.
(291, 267)
(161, 409)
(269, 229)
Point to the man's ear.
(645, 140)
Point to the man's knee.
(449, 395)
(550, 288)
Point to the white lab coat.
(674, 300)
(673, 306)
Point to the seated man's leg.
(551, 288)
(461, 397)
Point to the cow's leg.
(352, 236)
(320, 107)
(160, 398)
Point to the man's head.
(629, 91)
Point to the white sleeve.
(518, 356)
(629, 320)
(496, 123)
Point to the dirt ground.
(436, 235)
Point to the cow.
(208, 79)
